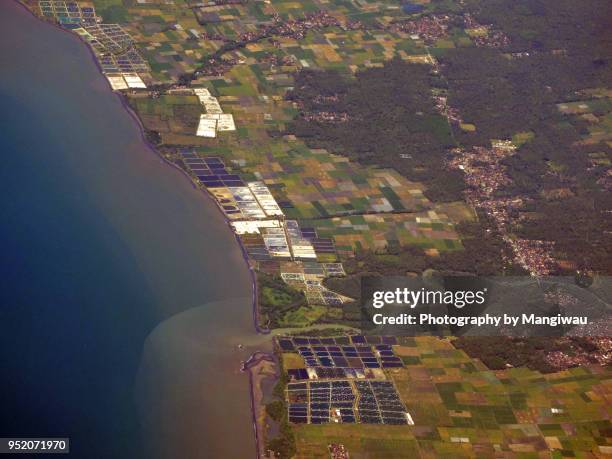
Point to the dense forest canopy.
(557, 51)
(569, 47)
(384, 116)
(582, 28)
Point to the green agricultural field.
(462, 409)
(304, 316)
(169, 114)
(367, 441)
(596, 112)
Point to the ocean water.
(123, 295)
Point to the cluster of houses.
(484, 174)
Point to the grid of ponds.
(349, 355)
(343, 401)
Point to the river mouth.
(189, 387)
(115, 269)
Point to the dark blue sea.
(123, 295)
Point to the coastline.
(150, 146)
(258, 356)
(251, 366)
(153, 148)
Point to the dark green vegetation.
(276, 409)
(583, 29)
(498, 352)
(283, 445)
(569, 48)
(168, 117)
(557, 52)
(390, 121)
(276, 299)
(114, 13)
(484, 255)
(580, 226)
